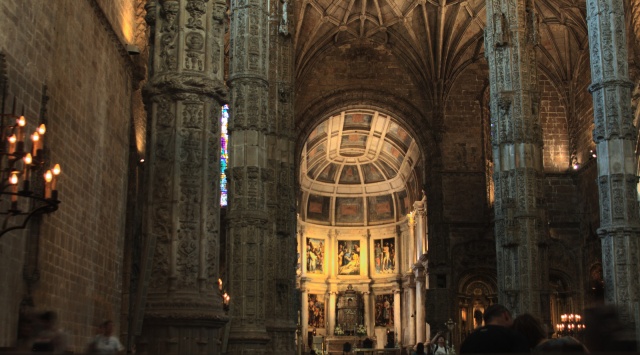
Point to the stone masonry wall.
(553, 119)
(463, 181)
(68, 45)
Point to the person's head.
(562, 345)
(441, 342)
(106, 327)
(497, 314)
(531, 328)
(420, 348)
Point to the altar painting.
(384, 253)
(348, 257)
(316, 311)
(384, 310)
(315, 256)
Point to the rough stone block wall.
(68, 46)
(563, 203)
(347, 68)
(553, 119)
(584, 115)
(464, 186)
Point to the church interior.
(273, 177)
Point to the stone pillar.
(331, 256)
(184, 94)
(412, 317)
(304, 301)
(303, 252)
(615, 138)
(421, 226)
(250, 176)
(281, 203)
(367, 310)
(411, 247)
(397, 315)
(420, 304)
(520, 227)
(332, 313)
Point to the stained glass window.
(224, 154)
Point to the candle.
(13, 180)
(56, 171)
(12, 143)
(35, 138)
(48, 176)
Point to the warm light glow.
(13, 179)
(56, 170)
(21, 121)
(42, 129)
(220, 284)
(576, 166)
(35, 136)
(28, 159)
(13, 139)
(48, 176)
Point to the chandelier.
(570, 324)
(27, 186)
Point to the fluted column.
(367, 309)
(183, 97)
(250, 175)
(420, 304)
(520, 228)
(411, 244)
(412, 317)
(615, 138)
(368, 302)
(397, 315)
(302, 240)
(332, 313)
(421, 227)
(304, 301)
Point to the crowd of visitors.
(39, 332)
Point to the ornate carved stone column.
(250, 176)
(281, 203)
(510, 39)
(181, 215)
(615, 137)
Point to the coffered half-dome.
(358, 168)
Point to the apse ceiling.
(358, 168)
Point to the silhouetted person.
(605, 332)
(105, 343)
(419, 349)
(561, 345)
(496, 336)
(49, 338)
(530, 327)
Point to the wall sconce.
(574, 162)
(226, 299)
(23, 180)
